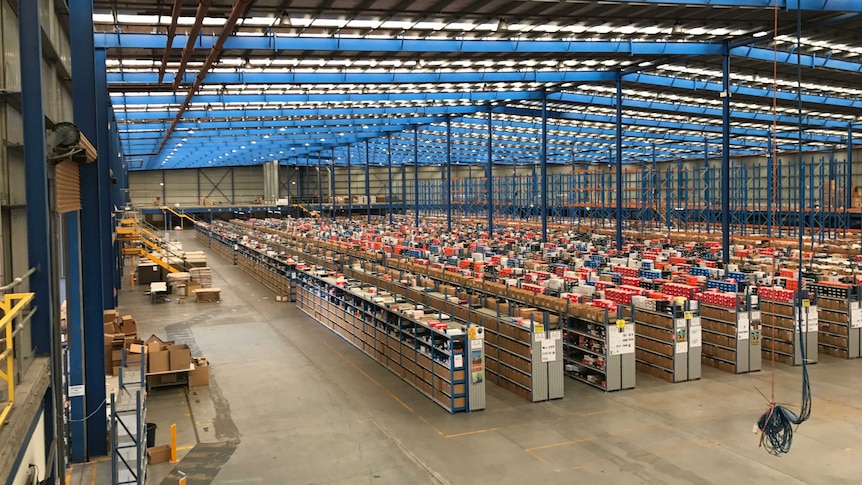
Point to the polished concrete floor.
(290, 402)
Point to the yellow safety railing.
(11, 305)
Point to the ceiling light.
(284, 21)
(501, 25)
(247, 64)
(677, 28)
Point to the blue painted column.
(848, 191)
(74, 322)
(489, 175)
(770, 194)
(416, 175)
(332, 181)
(36, 176)
(619, 161)
(319, 188)
(447, 190)
(389, 173)
(349, 188)
(404, 188)
(725, 159)
(544, 169)
(84, 107)
(367, 182)
(103, 146)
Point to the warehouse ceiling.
(420, 80)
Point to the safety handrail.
(12, 306)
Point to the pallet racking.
(668, 340)
(788, 325)
(732, 336)
(440, 361)
(840, 317)
(598, 351)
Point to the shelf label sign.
(813, 319)
(476, 344)
(695, 336)
(743, 327)
(855, 315)
(76, 391)
(688, 315)
(806, 303)
(623, 342)
(459, 361)
(556, 335)
(681, 341)
(621, 323)
(549, 350)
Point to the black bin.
(151, 434)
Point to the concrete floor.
(290, 402)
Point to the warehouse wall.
(58, 107)
(189, 187)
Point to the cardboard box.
(159, 454)
(201, 375)
(111, 316)
(110, 328)
(180, 357)
(158, 361)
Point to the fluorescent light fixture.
(677, 28)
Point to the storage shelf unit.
(274, 272)
(731, 336)
(840, 317)
(507, 362)
(442, 364)
(128, 413)
(782, 324)
(668, 343)
(601, 354)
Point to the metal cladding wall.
(187, 187)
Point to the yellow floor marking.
(186, 447)
(467, 433)
(562, 443)
(93, 476)
(381, 386)
(69, 476)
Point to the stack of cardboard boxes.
(167, 360)
(120, 334)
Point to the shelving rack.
(600, 353)
(782, 325)
(444, 364)
(517, 365)
(128, 427)
(840, 317)
(668, 344)
(732, 336)
(275, 273)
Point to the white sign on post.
(76, 391)
(743, 328)
(856, 315)
(695, 337)
(549, 350)
(622, 340)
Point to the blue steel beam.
(725, 161)
(489, 174)
(697, 85)
(619, 163)
(296, 113)
(203, 100)
(765, 118)
(544, 170)
(354, 45)
(84, 99)
(812, 61)
(271, 77)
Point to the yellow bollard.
(174, 446)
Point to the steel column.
(544, 169)
(367, 182)
(332, 182)
(770, 187)
(416, 175)
(619, 163)
(319, 188)
(75, 324)
(489, 175)
(848, 190)
(725, 159)
(232, 188)
(39, 243)
(349, 188)
(404, 188)
(84, 100)
(109, 300)
(389, 173)
(447, 190)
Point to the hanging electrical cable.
(776, 424)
